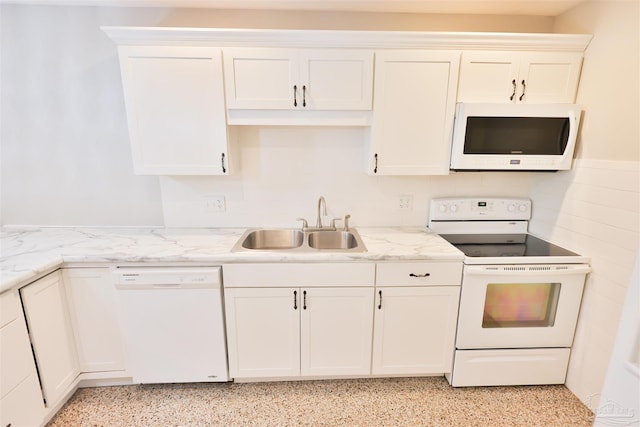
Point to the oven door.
(519, 306)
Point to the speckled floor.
(368, 402)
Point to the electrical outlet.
(214, 203)
(405, 203)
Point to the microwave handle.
(573, 130)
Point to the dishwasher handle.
(168, 277)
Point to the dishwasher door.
(173, 324)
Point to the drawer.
(16, 358)
(8, 307)
(419, 274)
(24, 405)
(294, 274)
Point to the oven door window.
(520, 305)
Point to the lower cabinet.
(299, 319)
(283, 332)
(92, 307)
(46, 310)
(415, 329)
(21, 401)
(416, 313)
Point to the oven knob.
(522, 207)
(443, 208)
(511, 208)
(454, 208)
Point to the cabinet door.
(519, 77)
(550, 77)
(46, 310)
(21, 401)
(175, 109)
(336, 329)
(263, 332)
(488, 77)
(336, 79)
(261, 78)
(414, 331)
(413, 109)
(92, 305)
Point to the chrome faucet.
(322, 203)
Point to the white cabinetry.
(303, 79)
(415, 318)
(519, 77)
(21, 401)
(92, 304)
(322, 326)
(413, 110)
(175, 109)
(47, 314)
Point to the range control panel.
(479, 209)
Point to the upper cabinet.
(174, 97)
(414, 105)
(298, 79)
(519, 77)
(184, 86)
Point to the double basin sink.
(297, 240)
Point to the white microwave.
(519, 137)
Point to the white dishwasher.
(172, 323)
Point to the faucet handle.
(305, 224)
(346, 222)
(333, 222)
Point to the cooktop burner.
(505, 245)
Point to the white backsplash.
(593, 210)
(278, 173)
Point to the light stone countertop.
(26, 253)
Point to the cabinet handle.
(295, 95)
(380, 304)
(304, 300)
(224, 168)
(524, 89)
(295, 300)
(419, 275)
(513, 82)
(375, 167)
(304, 95)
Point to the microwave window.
(516, 135)
(520, 305)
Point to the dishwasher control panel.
(133, 277)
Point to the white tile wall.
(594, 210)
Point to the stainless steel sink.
(273, 239)
(297, 240)
(327, 240)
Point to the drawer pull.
(295, 300)
(304, 300)
(419, 275)
(380, 305)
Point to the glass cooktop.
(505, 245)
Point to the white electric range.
(520, 295)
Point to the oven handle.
(554, 270)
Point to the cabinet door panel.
(336, 326)
(260, 78)
(175, 109)
(414, 331)
(92, 304)
(337, 79)
(47, 314)
(413, 113)
(550, 77)
(488, 77)
(263, 332)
